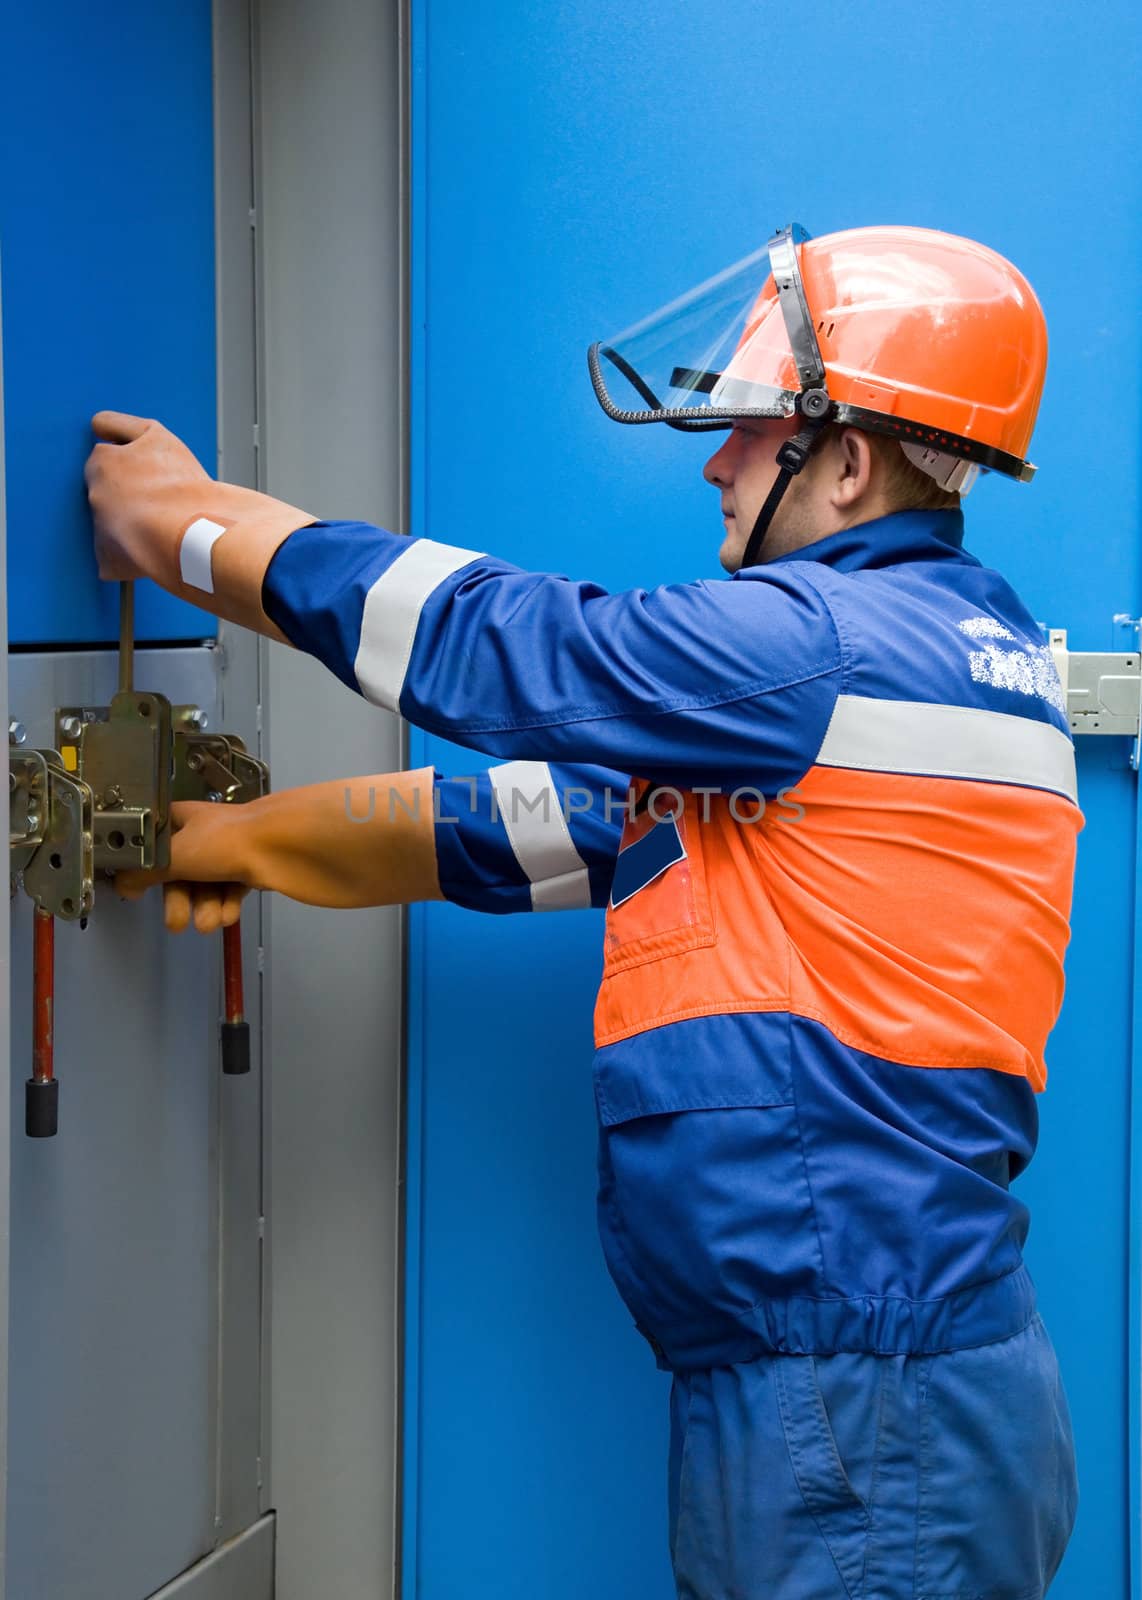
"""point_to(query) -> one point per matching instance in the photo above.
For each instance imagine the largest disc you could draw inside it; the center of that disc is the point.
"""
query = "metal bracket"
(101, 802)
(123, 751)
(213, 766)
(1102, 689)
(50, 842)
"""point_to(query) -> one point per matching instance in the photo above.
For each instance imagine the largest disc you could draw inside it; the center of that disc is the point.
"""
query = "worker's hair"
(906, 486)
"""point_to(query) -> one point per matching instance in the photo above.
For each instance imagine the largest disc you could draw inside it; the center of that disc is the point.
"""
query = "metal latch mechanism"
(50, 839)
(1102, 690)
(101, 802)
(51, 852)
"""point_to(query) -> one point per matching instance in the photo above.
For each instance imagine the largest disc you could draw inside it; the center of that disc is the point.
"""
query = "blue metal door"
(574, 167)
(107, 245)
(107, 250)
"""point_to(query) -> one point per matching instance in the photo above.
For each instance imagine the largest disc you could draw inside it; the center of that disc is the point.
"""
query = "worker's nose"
(719, 469)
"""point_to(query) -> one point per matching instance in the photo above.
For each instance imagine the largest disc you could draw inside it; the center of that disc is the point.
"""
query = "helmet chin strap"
(790, 459)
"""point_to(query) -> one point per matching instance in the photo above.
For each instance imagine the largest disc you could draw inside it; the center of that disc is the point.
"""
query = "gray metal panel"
(331, 250)
(241, 1374)
(114, 1270)
(5, 990)
(243, 1569)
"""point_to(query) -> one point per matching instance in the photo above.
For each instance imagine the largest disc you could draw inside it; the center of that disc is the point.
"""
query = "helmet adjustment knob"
(813, 402)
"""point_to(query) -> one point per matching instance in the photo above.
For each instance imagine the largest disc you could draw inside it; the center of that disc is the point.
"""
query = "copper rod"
(232, 971)
(43, 995)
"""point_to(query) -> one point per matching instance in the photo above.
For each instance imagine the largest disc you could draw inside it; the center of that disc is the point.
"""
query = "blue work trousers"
(867, 1477)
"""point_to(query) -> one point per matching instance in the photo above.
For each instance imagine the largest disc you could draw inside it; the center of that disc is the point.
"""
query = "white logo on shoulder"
(1030, 669)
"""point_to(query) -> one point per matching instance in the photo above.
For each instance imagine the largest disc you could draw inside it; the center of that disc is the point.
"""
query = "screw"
(112, 796)
(70, 727)
(196, 719)
(17, 733)
(212, 794)
(33, 821)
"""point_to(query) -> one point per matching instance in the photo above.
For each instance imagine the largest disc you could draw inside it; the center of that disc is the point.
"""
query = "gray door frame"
(312, 206)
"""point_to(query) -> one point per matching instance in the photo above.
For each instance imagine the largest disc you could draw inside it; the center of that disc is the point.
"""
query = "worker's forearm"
(349, 842)
(223, 572)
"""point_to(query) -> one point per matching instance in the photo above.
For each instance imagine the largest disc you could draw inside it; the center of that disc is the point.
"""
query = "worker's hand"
(209, 874)
(344, 843)
(137, 482)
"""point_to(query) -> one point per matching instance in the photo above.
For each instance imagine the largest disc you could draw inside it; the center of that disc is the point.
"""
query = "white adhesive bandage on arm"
(195, 553)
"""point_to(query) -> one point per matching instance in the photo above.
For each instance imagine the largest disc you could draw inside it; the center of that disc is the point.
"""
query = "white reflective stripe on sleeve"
(195, 553)
(392, 610)
(537, 831)
(948, 742)
(571, 892)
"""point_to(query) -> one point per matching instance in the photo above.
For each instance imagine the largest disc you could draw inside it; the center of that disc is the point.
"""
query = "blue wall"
(576, 166)
(107, 260)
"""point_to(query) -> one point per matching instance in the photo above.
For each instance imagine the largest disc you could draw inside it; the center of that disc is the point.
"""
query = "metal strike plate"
(50, 839)
(124, 752)
(1103, 689)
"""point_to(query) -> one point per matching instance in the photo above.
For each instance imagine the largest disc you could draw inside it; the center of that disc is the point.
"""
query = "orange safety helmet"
(932, 339)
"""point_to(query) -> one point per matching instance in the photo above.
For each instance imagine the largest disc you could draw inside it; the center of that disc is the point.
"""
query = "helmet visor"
(718, 353)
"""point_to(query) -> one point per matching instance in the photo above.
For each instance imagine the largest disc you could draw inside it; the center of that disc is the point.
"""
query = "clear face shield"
(720, 352)
(743, 344)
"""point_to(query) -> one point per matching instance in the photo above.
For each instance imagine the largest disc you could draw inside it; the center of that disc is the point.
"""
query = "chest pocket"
(660, 903)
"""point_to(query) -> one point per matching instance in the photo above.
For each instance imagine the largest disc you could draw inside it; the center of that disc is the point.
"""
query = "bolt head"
(197, 719)
(71, 727)
(17, 733)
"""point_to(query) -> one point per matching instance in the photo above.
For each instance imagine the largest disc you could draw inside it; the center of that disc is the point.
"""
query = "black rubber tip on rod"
(41, 1108)
(235, 1048)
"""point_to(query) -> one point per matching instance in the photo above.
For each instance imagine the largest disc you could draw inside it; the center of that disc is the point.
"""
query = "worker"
(829, 806)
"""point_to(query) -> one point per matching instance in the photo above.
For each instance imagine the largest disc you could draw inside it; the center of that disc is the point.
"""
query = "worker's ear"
(852, 468)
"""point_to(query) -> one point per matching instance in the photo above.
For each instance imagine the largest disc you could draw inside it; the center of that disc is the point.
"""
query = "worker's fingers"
(119, 427)
(217, 905)
(209, 905)
(233, 895)
(176, 906)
